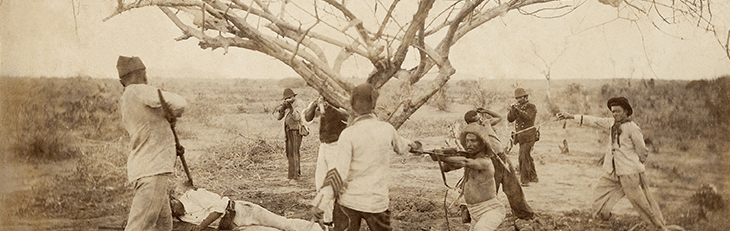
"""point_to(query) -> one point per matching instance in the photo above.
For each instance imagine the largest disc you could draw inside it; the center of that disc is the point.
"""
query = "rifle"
(437, 154)
(180, 150)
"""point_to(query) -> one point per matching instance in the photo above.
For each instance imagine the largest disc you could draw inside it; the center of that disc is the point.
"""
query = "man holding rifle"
(480, 192)
(152, 146)
(523, 114)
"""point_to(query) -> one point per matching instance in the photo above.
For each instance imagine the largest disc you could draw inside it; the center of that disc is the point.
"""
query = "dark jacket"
(331, 123)
(525, 118)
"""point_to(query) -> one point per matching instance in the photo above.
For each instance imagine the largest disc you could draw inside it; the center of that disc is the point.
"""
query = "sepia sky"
(42, 38)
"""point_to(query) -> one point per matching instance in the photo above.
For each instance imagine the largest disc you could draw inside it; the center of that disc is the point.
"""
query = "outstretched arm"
(587, 120)
(460, 161)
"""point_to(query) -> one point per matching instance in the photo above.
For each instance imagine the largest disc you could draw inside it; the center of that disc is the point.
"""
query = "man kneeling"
(203, 208)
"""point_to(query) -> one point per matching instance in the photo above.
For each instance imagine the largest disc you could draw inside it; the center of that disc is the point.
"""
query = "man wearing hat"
(480, 192)
(623, 165)
(363, 162)
(503, 174)
(523, 114)
(290, 110)
(152, 150)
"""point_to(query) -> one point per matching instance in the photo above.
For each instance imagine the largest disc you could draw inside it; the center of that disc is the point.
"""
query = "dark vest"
(331, 125)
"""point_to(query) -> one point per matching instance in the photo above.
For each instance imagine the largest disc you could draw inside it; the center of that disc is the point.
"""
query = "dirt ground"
(562, 198)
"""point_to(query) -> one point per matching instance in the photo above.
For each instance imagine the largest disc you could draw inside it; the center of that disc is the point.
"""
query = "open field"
(64, 153)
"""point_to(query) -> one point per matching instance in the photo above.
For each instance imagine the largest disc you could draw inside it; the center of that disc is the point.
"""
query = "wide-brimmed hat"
(366, 94)
(621, 102)
(288, 93)
(519, 92)
(483, 132)
(126, 65)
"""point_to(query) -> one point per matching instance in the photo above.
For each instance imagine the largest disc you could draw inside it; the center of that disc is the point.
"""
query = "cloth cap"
(621, 102)
(126, 65)
(288, 93)
(366, 95)
(519, 92)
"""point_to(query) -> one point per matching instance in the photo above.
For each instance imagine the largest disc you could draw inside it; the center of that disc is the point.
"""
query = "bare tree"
(303, 34)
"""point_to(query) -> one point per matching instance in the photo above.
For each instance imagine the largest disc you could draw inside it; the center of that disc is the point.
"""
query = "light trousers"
(486, 216)
(610, 188)
(151, 204)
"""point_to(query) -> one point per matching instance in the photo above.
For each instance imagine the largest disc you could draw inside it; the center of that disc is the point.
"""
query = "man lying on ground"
(204, 208)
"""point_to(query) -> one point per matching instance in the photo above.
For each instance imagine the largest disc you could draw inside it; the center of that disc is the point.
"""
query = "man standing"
(332, 121)
(623, 165)
(152, 152)
(290, 110)
(480, 191)
(363, 161)
(523, 114)
(502, 175)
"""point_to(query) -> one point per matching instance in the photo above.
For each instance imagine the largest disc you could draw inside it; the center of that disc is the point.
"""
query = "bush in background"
(43, 117)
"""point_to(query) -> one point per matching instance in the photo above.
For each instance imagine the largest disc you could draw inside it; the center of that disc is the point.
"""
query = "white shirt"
(151, 144)
(364, 162)
(200, 203)
(626, 156)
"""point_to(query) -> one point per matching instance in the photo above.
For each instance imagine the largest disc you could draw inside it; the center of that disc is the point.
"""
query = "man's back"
(152, 146)
(366, 147)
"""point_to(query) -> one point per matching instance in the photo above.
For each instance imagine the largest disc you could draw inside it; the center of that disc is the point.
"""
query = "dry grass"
(252, 167)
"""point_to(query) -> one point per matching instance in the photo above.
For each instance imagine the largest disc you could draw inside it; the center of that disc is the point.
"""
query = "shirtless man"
(480, 194)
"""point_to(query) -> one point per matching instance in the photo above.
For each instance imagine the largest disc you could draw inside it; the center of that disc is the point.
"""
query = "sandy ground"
(565, 179)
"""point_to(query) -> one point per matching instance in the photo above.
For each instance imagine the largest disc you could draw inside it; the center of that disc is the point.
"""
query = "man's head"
(363, 98)
(471, 116)
(473, 143)
(288, 95)
(620, 108)
(131, 70)
(177, 207)
(521, 95)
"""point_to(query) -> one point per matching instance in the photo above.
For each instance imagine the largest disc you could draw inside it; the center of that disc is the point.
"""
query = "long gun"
(438, 154)
(180, 150)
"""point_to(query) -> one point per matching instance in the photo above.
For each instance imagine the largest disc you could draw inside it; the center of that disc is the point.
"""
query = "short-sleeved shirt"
(151, 144)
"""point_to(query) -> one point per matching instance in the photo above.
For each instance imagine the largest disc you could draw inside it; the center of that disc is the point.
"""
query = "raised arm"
(495, 118)
(310, 112)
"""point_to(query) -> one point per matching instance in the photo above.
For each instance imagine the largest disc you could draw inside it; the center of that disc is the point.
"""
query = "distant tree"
(302, 34)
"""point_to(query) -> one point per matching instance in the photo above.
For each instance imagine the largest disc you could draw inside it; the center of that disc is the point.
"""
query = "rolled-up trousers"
(293, 142)
(610, 188)
(511, 188)
(486, 216)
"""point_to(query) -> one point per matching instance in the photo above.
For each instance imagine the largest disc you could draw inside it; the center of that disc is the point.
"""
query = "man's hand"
(315, 214)
(179, 149)
(564, 116)
(416, 147)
